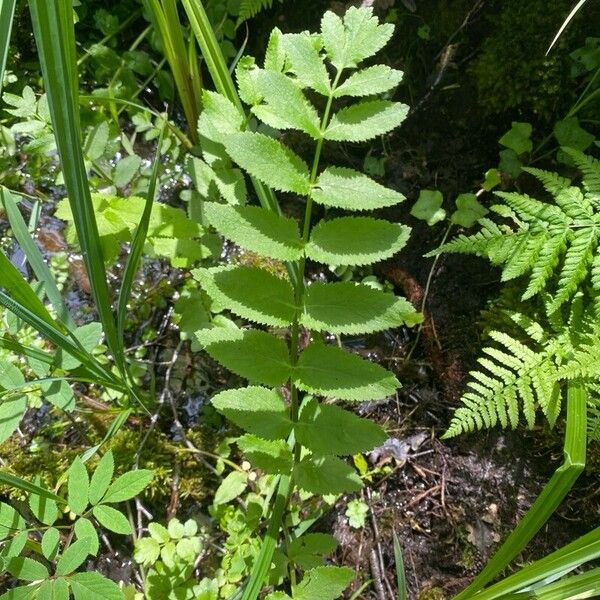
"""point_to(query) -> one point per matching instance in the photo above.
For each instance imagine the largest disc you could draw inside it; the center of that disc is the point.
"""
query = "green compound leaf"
(326, 475)
(331, 371)
(269, 161)
(50, 543)
(102, 477)
(222, 115)
(251, 293)
(112, 519)
(73, 557)
(128, 486)
(271, 456)
(326, 429)
(93, 586)
(356, 37)
(257, 229)
(54, 589)
(44, 509)
(370, 81)
(257, 410)
(323, 583)
(78, 485)
(347, 307)
(27, 569)
(305, 62)
(340, 187)
(11, 413)
(256, 355)
(356, 241)
(284, 105)
(365, 120)
(22, 592)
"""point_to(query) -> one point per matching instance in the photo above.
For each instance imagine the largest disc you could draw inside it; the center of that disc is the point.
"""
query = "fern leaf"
(250, 8)
(590, 167)
(553, 183)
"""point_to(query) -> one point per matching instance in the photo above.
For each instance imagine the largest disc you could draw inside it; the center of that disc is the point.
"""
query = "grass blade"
(30, 488)
(551, 496)
(261, 566)
(71, 346)
(21, 291)
(400, 571)
(165, 19)
(569, 18)
(34, 256)
(137, 245)
(7, 12)
(118, 422)
(579, 552)
(55, 39)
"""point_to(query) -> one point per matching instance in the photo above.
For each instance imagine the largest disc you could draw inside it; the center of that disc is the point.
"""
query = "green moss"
(434, 593)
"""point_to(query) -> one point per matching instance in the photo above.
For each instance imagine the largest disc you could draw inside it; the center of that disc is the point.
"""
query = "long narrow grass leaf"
(19, 289)
(137, 245)
(55, 39)
(30, 488)
(7, 13)
(117, 423)
(34, 256)
(400, 571)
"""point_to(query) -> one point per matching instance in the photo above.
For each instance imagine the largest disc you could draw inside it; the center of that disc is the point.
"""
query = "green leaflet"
(340, 187)
(269, 161)
(356, 240)
(356, 37)
(222, 115)
(346, 307)
(250, 292)
(257, 229)
(256, 355)
(258, 410)
(326, 475)
(366, 120)
(323, 583)
(331, 371)
(327, 429)
(272, 456)
(305, 62)
(283, 105)
(370, 81)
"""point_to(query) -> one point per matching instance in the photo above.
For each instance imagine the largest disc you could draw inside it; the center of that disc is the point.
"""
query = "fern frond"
(590, 167)
(593, 412)
(553, 183)
(250, 8)
(513, 378)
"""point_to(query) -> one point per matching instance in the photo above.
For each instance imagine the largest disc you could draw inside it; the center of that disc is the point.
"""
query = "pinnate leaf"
(355, 240)
(257, 410)
(327, 429)
(331, 371)
(11, 413)
(272, 456)
(112, 519)
(250, 353)
(365, 120)
(256, 229)
(222, 114)
(284, 105)
(356, 37)
(44, 509)
(269, 161)
(346, 307)
(340, 187)
(326, 475)
(102, 477)
(93, 586)
(128, 486)
(78, 485)
(250, 292)
(370, 81)
(323, 583)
